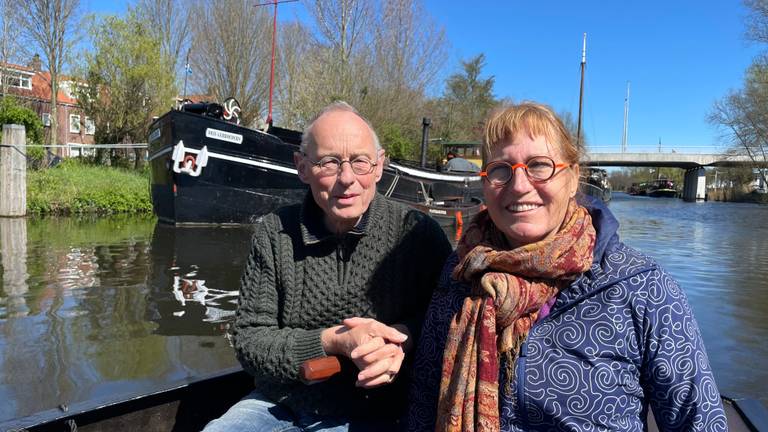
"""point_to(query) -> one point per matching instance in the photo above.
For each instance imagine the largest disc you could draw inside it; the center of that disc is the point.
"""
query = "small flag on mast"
(188, 69)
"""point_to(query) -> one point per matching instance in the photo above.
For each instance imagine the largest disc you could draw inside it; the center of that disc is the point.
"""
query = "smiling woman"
(535, 323)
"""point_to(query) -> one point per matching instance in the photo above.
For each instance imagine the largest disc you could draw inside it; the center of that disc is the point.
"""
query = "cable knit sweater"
(301, 279)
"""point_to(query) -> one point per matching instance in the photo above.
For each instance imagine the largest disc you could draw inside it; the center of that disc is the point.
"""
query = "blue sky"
(679, 55)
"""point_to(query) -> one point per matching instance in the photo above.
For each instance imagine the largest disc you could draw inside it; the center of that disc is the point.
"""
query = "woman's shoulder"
(621, 261)
(447, 285)
(632, 269)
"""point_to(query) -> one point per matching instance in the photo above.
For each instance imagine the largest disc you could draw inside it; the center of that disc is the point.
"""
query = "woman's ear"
(575, 182)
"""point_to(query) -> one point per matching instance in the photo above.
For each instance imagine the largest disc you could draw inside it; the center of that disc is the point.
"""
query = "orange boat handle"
(319, 369)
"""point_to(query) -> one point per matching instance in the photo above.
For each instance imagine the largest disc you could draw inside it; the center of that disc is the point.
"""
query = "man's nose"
(346, 175)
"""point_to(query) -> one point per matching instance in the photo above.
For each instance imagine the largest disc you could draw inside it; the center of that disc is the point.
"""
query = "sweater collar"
(313, 229)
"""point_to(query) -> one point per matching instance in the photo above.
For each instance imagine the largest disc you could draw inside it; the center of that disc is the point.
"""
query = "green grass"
(77, 188)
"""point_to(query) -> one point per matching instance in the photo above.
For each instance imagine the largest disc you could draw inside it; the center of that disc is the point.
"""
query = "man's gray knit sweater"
(300, 279)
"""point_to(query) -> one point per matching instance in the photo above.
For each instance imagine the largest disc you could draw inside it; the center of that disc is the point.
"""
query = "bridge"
(694, 187)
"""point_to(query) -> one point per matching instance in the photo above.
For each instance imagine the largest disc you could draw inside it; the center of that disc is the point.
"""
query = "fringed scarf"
(509, 288)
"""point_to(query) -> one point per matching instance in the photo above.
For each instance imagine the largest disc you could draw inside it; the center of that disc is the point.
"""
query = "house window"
(90, 126)
(47, 119)
(16, 79)
(74, 123)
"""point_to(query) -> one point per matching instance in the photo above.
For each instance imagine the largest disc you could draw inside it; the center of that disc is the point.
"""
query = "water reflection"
(13, 249)
(195, 277)
(114, 306)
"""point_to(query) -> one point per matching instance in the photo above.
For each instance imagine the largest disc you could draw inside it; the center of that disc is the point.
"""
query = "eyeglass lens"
(330, 165)
(540, 168)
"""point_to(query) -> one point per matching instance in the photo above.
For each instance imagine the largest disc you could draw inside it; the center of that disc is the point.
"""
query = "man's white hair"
(307, 138)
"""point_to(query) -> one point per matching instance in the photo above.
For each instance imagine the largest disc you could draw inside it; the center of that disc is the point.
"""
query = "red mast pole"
(272, 69)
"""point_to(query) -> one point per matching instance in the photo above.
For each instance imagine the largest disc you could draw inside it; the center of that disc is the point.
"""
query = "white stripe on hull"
(433, 176)
(231, 159)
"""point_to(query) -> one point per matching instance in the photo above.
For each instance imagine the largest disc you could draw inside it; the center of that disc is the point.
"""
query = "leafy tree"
(126, 83)
(398, 144)
(466, 101)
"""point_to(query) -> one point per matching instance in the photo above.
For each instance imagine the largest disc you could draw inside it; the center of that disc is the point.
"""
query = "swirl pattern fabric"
(509, 289)
(618, 342)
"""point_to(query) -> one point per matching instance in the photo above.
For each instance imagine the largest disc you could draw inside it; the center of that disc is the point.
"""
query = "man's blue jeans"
(256, 414)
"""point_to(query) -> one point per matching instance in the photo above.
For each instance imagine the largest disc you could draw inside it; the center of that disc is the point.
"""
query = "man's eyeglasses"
(538, 169)
(330, 165)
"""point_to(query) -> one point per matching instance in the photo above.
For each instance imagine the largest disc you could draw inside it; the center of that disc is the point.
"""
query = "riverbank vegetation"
(742, 114)
(74, 187)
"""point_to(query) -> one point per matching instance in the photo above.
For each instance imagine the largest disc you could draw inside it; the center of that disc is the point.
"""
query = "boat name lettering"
(223, 136)
(440, 212)
(154, 135)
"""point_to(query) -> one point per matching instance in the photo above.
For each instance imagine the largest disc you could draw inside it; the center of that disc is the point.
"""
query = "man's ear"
(301, 166)
(382, 159)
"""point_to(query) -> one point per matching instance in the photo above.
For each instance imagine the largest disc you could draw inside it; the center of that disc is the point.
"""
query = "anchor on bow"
(185, 161)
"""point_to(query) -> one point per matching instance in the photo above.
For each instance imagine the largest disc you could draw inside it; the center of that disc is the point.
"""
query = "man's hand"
(375, 348)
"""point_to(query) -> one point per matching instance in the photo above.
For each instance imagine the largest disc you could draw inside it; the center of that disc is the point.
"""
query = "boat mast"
(274, 43)
(581, 90)
(626, 124)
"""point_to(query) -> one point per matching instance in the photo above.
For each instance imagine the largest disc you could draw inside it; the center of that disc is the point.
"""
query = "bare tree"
(10, 34)
(343, 29)
(168, 21)
(757, 21)
(408, 51)
(296, 66)
(52, 27)
(379, 56)
(230, 54)
(743, 115)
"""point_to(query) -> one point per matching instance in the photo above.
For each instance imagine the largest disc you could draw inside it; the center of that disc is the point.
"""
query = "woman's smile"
(521, 208)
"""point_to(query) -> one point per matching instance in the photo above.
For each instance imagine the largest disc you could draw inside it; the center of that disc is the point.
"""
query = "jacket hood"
(613, 261)
(605, 223)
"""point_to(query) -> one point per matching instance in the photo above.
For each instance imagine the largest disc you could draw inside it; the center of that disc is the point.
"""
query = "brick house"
(32, 87)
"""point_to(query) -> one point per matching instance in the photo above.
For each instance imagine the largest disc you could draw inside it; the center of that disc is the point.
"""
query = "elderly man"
(347, 273)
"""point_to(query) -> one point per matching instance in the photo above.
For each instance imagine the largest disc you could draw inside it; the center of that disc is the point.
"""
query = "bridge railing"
(685, 149)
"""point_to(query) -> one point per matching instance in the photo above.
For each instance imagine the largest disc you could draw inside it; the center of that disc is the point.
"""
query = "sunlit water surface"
(93, 308)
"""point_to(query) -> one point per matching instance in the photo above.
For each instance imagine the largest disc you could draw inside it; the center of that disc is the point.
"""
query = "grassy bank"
(76, 188)
(735, 195)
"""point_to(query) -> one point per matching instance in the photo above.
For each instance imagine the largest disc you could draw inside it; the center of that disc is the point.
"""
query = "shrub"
(13, 113)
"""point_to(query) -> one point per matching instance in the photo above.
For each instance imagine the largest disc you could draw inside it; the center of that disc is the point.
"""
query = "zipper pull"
(523, 349)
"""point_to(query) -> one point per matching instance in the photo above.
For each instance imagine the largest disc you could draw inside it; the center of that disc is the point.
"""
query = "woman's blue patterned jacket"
(621, 338)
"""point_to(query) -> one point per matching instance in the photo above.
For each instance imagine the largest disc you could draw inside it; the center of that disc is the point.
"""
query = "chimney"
(36, 64)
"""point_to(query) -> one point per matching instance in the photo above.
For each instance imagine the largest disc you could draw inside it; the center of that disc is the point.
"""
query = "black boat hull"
(239, 182)
(190, 404)
(208, 171)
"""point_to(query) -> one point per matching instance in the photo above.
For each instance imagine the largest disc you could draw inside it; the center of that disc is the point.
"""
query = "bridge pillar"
(695, 185)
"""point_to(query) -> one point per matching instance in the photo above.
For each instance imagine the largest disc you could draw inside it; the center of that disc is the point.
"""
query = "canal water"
(91, 309)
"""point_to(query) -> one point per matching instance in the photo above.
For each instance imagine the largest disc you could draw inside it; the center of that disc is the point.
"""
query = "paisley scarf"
(509, 288)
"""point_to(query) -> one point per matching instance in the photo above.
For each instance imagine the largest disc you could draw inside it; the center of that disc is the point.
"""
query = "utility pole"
(187, 71)
(626, 122)
(581, 90)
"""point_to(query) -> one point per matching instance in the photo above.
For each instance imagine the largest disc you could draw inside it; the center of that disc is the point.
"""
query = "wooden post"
(13, 172)
(13, 248)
